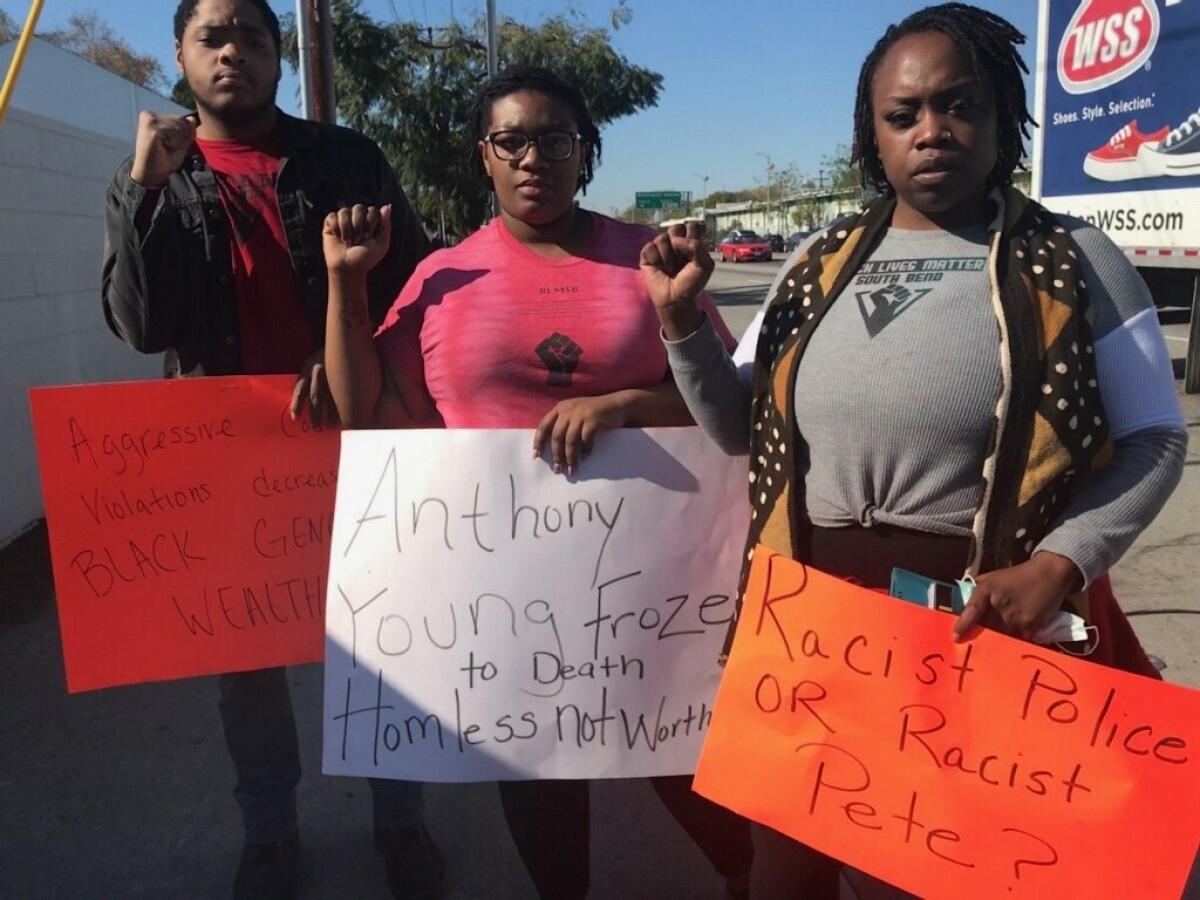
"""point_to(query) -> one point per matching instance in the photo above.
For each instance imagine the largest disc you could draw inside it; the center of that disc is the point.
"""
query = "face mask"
(1064, 628)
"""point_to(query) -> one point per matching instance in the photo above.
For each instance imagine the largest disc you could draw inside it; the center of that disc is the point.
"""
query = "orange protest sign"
(189, 524)
(993, 768)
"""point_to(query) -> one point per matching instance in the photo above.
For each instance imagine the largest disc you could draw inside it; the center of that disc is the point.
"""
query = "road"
(740, 288)
(124, 793)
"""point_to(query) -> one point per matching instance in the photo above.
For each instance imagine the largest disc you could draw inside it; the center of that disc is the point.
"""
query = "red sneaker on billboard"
(1118, 159)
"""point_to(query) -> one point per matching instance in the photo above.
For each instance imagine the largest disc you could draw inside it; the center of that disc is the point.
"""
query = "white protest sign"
(490, 620)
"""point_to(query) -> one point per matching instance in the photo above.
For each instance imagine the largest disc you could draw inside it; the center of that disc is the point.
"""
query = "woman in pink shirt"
(539, 320)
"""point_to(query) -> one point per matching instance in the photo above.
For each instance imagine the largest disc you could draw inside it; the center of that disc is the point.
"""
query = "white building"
(820, 207)
(69, 125)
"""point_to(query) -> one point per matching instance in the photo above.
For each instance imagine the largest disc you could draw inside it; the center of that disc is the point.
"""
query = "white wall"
(68, 127)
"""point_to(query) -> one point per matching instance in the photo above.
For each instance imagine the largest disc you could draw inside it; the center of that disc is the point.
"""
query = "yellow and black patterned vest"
(1049, 422)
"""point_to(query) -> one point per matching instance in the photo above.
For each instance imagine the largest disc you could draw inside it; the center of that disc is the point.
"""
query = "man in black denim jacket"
(169, 288)
(179, 278)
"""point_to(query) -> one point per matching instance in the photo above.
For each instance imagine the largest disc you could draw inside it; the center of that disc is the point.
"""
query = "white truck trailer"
(1118, 102)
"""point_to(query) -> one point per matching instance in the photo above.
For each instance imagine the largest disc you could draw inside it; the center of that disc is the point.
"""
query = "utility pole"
(767, 157)
(704, 199)
(303, 43)
(315, 34)
(493, 47)
(493, 66)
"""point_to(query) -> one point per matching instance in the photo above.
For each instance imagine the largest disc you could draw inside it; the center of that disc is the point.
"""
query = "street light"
(769, 167)
(704, 184)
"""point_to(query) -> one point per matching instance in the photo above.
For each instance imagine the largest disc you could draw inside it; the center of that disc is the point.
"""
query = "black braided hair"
(543, 81)
(187, 9)
(991, 44)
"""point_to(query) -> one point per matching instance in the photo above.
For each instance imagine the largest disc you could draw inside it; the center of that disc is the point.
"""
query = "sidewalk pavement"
(126, 793)
(1158, 580)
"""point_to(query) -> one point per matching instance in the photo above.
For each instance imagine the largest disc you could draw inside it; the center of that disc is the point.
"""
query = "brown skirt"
(867, 556)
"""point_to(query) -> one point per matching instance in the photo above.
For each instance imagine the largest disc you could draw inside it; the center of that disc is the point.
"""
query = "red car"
(740, 246)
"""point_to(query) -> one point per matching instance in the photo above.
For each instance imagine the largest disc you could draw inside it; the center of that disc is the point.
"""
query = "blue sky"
(740, 78)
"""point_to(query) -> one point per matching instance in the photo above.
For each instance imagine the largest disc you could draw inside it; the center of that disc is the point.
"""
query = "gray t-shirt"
(881, 446)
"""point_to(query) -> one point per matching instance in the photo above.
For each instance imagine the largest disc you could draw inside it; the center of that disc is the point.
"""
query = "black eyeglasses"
(553, 145)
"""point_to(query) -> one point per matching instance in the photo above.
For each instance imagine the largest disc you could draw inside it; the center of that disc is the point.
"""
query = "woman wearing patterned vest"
(953, 380)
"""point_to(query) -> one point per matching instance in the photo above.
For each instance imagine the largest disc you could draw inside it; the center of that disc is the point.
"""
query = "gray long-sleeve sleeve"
(716, 393)
(716, 388)
(1110, 508)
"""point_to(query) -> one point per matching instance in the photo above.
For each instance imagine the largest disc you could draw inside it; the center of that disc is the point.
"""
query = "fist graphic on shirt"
(560, 355)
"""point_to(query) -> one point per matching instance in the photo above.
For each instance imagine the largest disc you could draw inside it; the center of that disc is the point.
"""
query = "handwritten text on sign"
(488, 619)
(993, 768)
(189, 523)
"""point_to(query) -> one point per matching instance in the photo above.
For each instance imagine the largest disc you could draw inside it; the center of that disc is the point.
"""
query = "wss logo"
(1106, 41)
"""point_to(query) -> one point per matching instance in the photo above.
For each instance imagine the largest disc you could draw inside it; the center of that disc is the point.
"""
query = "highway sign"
(658, 199)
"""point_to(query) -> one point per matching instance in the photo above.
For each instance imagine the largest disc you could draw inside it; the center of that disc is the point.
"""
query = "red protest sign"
(189, 524)
(988, 769)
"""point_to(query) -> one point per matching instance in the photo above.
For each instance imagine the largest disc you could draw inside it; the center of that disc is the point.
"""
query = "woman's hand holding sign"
(570, 428)
(1022, 599)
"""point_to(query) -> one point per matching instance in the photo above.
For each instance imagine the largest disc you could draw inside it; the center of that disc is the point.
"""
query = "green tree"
(812, 211)
(838, 173)
(89, 36)
(410, 87)
(651, 216)
(8, 28)
(729, 197)
(182, 94)
(807, 214)
(786, 181)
